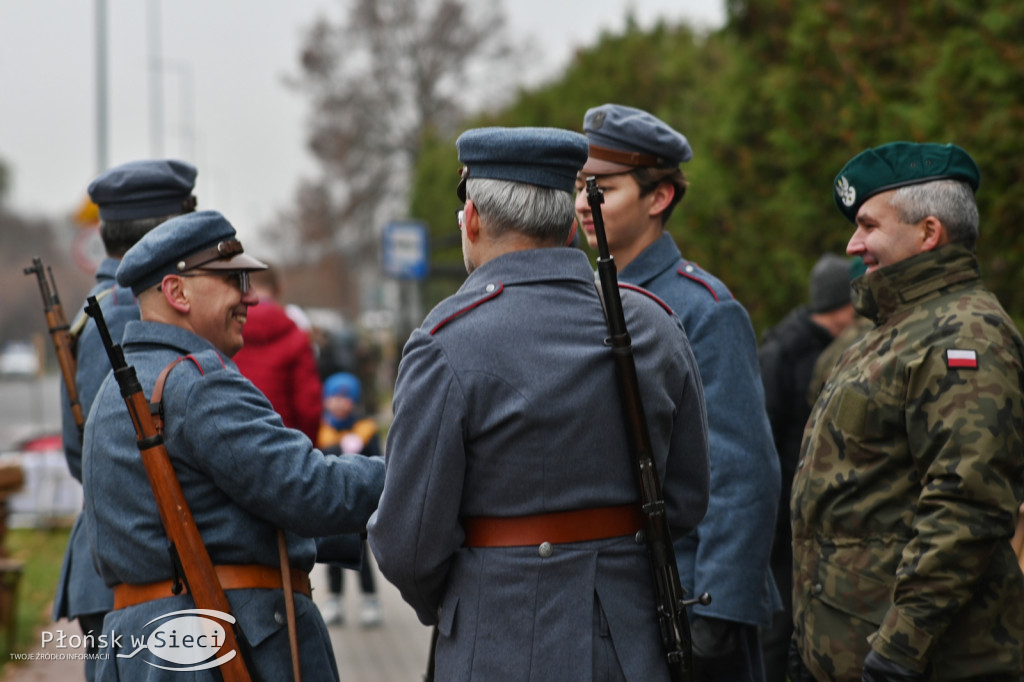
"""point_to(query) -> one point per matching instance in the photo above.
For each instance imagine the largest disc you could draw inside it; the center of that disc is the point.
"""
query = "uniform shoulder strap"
(79, 325)
(156, 401)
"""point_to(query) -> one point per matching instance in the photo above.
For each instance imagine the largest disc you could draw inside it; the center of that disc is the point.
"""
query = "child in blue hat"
(344, 430)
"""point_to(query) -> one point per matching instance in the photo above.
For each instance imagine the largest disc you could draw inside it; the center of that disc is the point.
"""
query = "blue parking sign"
(405, 249)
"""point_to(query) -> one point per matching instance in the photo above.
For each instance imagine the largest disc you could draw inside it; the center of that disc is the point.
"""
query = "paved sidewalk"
(396, 651)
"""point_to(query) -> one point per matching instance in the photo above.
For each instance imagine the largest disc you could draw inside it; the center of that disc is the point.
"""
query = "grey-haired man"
(510, 514)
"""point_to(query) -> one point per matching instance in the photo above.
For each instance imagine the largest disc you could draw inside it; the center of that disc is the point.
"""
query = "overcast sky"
(225, 107)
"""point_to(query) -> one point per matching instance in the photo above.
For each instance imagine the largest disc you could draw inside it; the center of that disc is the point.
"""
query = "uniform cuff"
(902, 642)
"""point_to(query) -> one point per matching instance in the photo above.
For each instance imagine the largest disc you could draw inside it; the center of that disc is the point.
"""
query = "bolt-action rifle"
(60, 334)
(671, 607)
(186, 545)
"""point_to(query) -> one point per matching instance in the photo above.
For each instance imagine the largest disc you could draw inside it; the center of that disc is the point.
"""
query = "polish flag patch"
(961, 359)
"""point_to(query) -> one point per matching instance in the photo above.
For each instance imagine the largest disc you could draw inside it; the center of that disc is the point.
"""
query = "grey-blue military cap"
(204, 239)
(623, 138)
(546, 157)
(144, 189)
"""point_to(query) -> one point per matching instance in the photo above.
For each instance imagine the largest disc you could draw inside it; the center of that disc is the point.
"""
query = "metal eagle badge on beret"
(846, 192)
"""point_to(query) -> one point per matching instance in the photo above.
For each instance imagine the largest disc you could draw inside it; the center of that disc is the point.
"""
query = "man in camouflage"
(910, 476)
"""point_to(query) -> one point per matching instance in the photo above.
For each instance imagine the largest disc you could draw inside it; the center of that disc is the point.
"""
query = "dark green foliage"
(774, 104)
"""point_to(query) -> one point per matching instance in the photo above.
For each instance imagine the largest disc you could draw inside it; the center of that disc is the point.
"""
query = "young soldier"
(636, 158)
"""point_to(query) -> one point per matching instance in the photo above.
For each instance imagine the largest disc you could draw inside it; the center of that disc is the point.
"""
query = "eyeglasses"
(240, 278)
(460, 216)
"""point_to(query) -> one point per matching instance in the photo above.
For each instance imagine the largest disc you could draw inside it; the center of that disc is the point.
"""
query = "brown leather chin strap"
(625, 158)
(223, 250)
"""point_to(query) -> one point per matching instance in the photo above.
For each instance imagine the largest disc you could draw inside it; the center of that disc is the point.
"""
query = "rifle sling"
(239, 577)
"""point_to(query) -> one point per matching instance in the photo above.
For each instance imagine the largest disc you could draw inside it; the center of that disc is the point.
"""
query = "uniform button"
(817, 588)
(545, 549)
(489, 288)
(278, 618)
(689, 268)
(640, 537)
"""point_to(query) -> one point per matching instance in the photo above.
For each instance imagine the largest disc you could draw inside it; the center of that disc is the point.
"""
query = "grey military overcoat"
(507, 404)
(244, 474)
(80, 590)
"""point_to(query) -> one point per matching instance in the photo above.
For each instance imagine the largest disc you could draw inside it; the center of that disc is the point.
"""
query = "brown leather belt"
(577, 525)
(230, 576)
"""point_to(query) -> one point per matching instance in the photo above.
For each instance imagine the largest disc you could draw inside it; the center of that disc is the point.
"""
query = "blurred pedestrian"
(510, 512)
(345, 429)
(787, 355)
(911, 471)
(248, 479)
(636, 159)
(279, 357)
(132, 199)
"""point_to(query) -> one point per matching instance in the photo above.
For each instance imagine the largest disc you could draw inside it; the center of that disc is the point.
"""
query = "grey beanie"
(830, 283)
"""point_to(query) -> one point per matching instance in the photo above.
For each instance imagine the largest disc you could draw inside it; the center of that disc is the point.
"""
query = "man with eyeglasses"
(510, 513)
(132, 199)
(243, 473)
(636, 159)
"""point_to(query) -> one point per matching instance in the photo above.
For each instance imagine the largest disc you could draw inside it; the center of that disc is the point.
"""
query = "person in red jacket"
(278, 357)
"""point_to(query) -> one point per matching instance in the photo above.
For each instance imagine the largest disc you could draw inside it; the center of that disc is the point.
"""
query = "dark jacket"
(787, 356)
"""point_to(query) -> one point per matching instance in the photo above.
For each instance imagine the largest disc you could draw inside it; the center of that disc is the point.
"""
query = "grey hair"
(951, 201)
(543, 213)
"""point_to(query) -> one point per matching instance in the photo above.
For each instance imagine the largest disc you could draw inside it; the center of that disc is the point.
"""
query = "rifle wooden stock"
(670, 607)
(186, 542)
(60, 334)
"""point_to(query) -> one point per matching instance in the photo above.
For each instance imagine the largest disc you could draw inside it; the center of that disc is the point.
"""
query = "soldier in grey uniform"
(906, 493)
(243, 473)
(509, 516)
(636, 157)
(132, 198)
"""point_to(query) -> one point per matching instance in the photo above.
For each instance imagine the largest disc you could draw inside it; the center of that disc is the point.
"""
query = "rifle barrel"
(670, 609)
(60, 335)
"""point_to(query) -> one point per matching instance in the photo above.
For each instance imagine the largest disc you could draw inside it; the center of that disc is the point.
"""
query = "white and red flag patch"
(961, 359)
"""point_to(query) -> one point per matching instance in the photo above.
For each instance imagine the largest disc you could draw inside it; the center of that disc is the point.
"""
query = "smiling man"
(243, 473)
(905, 497)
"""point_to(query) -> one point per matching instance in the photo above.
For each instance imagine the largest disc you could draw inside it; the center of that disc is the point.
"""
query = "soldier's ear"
(932, 233)
(471, 223)
(661, 197)
(175, 293)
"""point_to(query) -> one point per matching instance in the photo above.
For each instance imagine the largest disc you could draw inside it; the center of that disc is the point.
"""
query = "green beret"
(899, 164)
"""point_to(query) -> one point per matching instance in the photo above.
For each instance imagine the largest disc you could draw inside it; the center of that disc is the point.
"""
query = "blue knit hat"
(343, 384)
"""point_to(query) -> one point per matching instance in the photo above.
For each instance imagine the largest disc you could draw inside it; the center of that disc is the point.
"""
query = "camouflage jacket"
(906, 493)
